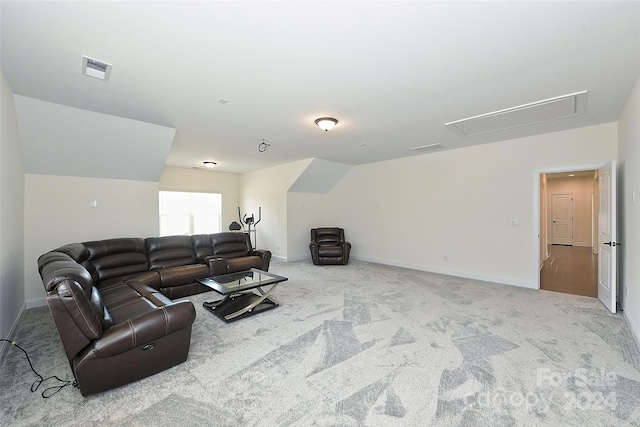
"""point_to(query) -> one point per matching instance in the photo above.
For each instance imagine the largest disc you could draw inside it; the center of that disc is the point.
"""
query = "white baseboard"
(291, 259)
(464, 274)
(299, 258)
(583, 244)
(36, 302)
(4, 346)
(634, 332)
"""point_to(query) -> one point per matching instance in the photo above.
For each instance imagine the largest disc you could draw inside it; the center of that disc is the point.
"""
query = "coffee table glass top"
(241, 281)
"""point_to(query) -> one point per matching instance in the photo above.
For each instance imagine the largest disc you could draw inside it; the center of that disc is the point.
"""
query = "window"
(190, 213)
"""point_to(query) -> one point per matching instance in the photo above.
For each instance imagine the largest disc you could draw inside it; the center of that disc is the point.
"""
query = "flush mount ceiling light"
(94, 68)
(209, 165)
(326, 123)
(546, 110)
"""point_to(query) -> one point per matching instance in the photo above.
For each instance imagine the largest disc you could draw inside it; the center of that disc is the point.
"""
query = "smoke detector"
(95, 68)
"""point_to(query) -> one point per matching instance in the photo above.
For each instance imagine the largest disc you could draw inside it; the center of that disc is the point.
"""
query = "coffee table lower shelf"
(234, 307)
(243, 293)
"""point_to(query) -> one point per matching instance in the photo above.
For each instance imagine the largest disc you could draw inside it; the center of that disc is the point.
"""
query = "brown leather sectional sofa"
(112, 303)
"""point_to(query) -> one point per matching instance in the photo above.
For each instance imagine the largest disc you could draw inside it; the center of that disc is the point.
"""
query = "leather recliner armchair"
(328, 246)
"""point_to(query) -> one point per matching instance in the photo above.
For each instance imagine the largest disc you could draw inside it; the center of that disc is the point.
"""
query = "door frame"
(536, 211)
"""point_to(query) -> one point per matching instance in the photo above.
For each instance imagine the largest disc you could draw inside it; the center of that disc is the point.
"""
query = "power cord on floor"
(50, 391)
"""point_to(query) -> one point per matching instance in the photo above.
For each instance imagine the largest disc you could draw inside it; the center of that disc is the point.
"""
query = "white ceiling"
(392, 73)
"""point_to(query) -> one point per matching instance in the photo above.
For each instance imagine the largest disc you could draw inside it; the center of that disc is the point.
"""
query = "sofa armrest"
(266, 257)
(346, 247)
(315, 257)
(145, 328)
(217, 265)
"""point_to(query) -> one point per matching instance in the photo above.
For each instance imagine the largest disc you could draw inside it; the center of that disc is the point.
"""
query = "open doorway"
(568, 232)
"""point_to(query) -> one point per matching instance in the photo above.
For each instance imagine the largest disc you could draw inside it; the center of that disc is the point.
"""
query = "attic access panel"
(523, 115)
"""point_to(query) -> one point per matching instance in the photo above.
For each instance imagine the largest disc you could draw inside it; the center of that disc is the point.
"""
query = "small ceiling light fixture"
(209, 165)
(326, 123)
(95, 68)
(262, 147)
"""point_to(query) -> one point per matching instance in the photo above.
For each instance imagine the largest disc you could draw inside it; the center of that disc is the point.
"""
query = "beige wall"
(11, 214)
(583, 189)
(268, 188)
(629, 210)
(195, 180)
(304, 212)
(57, 212)
(415, 211)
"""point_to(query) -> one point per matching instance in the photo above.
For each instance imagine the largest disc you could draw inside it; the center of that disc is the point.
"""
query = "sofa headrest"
(76, 251)
(169, 251)
(201, 246)
(115, 258)
(230, 244)
(327, 235)
(101, 248)
(56, 267)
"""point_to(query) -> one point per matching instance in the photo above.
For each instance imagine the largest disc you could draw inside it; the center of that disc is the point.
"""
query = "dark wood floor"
(570, 269)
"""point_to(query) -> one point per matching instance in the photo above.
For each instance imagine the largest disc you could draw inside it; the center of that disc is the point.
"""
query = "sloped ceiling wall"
(66, 141)
(320, 176)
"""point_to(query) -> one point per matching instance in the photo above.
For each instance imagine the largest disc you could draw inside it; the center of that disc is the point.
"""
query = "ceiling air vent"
(528, 114)
(428, 147)
(94, 68)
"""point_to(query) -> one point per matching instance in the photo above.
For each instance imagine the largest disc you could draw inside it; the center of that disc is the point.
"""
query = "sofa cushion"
(118, 294)
(125, 310)
(244, 263)
(330, 251)
(150, 278)
(181, 275)
(169, 251)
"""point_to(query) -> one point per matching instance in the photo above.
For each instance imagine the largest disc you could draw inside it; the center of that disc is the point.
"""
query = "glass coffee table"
(240, 297)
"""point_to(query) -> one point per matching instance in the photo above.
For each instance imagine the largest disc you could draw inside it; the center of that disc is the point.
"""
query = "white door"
(607, 264)
(562, 219)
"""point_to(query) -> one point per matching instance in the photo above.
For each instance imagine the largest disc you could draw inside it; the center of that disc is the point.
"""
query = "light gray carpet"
(364, 345)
